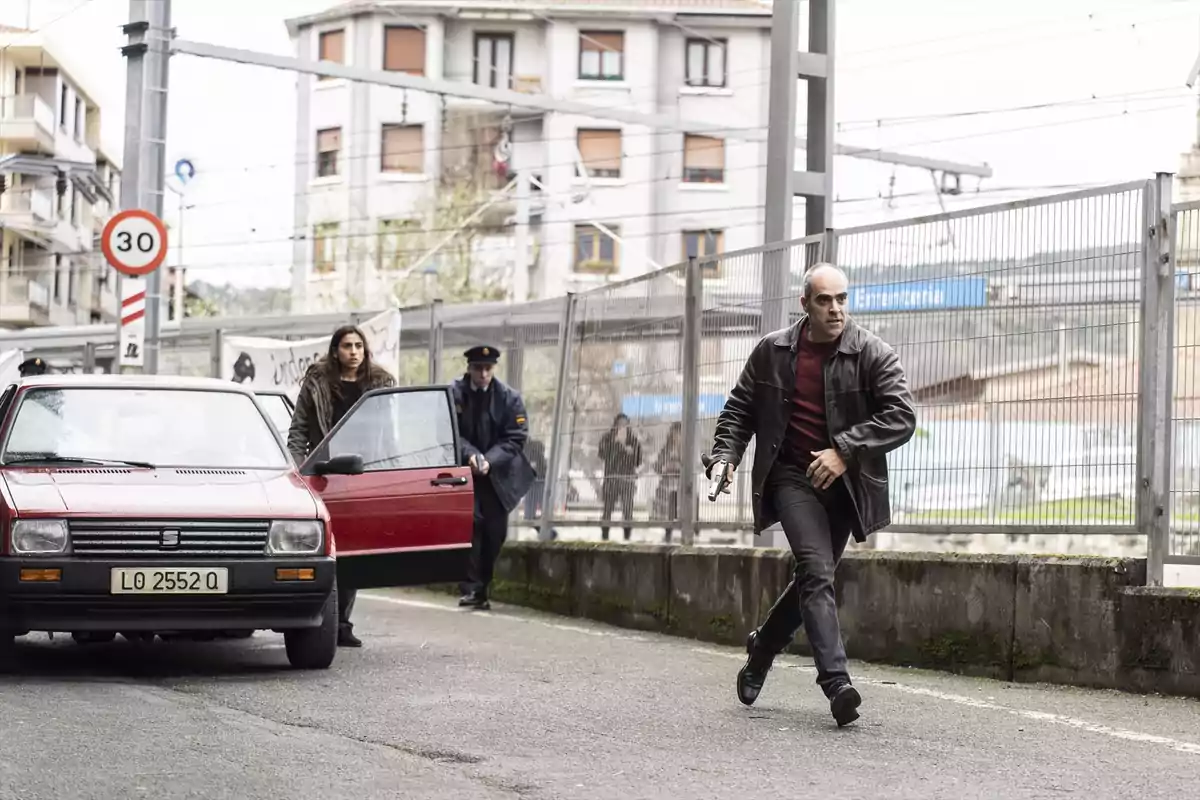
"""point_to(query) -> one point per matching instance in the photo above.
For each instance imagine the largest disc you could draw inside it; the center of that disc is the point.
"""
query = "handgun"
(716, 484)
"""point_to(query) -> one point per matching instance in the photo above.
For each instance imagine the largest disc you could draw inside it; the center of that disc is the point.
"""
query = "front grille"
(168, 538)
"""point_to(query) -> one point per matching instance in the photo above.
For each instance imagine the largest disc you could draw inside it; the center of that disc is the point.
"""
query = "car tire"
(93, 637)
(314, 648)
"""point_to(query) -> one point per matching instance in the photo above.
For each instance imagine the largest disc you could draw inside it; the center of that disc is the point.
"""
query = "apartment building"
(57, 189)
(609, 201)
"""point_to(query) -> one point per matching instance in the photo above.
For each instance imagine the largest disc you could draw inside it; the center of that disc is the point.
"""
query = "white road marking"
(958, 699)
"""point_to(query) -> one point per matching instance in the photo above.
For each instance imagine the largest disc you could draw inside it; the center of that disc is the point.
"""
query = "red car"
(164, 505)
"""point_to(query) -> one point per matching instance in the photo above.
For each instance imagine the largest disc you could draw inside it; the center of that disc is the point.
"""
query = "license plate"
(172, 580)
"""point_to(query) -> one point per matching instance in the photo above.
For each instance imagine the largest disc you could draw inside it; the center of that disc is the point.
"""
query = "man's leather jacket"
(868, 408)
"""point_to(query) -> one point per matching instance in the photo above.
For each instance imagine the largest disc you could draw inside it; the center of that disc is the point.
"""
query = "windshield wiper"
(98, 462)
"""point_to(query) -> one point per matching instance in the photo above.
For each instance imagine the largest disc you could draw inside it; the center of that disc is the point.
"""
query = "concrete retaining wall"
(1080, 621)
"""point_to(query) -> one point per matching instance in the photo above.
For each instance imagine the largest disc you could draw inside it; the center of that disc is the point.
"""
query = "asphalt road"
(513, 704)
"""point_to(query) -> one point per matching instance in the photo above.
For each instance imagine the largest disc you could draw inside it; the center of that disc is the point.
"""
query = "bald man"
(826, 401)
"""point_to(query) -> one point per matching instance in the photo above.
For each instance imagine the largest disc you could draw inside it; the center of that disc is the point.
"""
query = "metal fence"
(1050, 346)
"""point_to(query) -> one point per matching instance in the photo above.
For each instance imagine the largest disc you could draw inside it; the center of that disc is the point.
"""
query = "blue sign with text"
(968, 292)
(642, 406)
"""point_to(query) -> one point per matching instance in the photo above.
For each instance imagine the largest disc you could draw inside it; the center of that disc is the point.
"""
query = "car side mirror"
(340, 465)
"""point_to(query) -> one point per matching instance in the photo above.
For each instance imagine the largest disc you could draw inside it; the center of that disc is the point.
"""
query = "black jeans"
(615, 489)
(346, 607)
(490, 533)
(817, 524)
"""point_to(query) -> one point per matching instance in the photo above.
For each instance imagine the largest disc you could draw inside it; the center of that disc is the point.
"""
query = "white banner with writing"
(263, 363)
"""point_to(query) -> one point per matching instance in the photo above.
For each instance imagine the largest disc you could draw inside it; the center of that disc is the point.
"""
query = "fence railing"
(1051, 346)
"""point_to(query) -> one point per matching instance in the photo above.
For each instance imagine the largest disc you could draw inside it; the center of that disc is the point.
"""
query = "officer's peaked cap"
(482, 354)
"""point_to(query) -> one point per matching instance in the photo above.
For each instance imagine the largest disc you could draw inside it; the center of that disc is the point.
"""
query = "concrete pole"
(781, 159)
(144, 178)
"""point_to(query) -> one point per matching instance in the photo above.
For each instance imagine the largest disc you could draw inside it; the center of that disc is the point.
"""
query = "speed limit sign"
(134, 242)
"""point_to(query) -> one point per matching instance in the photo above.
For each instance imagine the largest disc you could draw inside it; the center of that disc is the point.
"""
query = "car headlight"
(290, 537)
(38, 536)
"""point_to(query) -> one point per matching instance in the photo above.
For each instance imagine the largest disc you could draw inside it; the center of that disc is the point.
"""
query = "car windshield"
(162, 427)
(277, 409)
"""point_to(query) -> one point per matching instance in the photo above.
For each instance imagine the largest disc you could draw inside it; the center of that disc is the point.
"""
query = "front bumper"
(82, 600)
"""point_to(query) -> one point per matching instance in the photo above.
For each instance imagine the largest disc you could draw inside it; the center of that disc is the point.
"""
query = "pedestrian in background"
(330, 388)
(494, 430)
(621, 453)
(669, 466)
(825, 400)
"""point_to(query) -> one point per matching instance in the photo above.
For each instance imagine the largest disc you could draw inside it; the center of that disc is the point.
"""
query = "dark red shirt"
(808, 430)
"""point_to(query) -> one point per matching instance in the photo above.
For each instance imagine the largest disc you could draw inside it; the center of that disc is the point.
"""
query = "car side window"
(412, 429)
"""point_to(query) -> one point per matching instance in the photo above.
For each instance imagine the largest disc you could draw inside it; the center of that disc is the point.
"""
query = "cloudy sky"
(1050, 94)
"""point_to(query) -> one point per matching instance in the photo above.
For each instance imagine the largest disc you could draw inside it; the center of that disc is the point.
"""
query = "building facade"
(381, 170)
(58, 187)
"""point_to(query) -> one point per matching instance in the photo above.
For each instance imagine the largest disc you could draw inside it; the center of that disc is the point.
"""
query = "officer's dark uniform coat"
(498, 437)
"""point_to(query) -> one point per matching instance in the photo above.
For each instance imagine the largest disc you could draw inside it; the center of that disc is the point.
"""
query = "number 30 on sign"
(134, 242)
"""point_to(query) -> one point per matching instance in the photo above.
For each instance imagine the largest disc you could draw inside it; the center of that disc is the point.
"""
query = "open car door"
(401, 507)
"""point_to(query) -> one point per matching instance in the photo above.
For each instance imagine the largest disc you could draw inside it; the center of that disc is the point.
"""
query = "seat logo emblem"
(170, 538)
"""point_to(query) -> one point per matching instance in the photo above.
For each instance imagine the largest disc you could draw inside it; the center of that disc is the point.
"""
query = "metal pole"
(818, 208)
(177, 288)
(692, 317)
(89, 358)
(1156, 377)
(565, 340)
(218, 344)
(520, 286)
(781, 159)
(435, 342)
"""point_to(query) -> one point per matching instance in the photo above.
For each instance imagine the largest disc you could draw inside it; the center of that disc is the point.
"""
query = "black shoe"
(346, 638)
(844, 704)
(753, 675)
(474, 601)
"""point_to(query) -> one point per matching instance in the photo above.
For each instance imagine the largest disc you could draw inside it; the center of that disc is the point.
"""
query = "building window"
(706, 62)
(325, 237)
(703, 159)
(494, 60)
(600, 151)
(72, 283)
(703, 244)
(403, 149)
(329, 145)
(331, 46)
(79, 118)
(404, 49)
(62, 107)
(601, 56)
(399, 240)
(58, 279)
(595, 251)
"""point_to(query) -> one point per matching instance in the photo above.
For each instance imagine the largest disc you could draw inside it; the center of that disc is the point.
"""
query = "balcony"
(27, 124)
(23, 301)
(32, 202)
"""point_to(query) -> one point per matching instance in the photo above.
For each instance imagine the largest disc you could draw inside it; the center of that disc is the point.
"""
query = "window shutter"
(600, 149)
(404, 50)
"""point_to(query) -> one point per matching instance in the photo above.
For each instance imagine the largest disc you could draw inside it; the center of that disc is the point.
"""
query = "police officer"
(494, 430)
(32, 366)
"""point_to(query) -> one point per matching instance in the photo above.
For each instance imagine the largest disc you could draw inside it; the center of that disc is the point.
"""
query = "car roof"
(84, 381)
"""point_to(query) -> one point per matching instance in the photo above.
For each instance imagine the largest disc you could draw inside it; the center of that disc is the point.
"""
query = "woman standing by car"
(331, 387)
